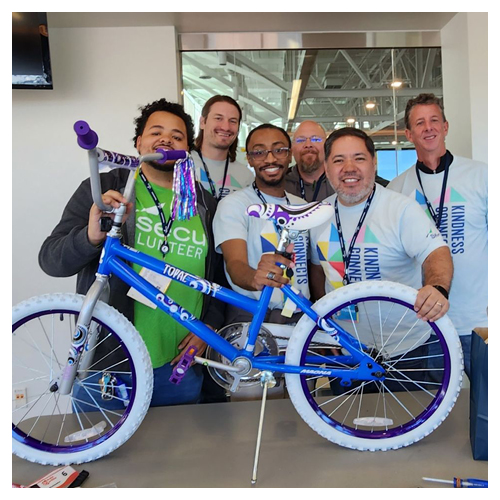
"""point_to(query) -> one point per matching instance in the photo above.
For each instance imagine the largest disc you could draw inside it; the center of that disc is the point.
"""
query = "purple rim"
(397, 431)
(22, 437)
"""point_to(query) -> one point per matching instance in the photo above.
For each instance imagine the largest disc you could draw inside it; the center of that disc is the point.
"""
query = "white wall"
(465, 84)
(101, 75)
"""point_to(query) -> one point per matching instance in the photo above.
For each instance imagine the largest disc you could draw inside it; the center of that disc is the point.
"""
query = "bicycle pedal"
(183, 365)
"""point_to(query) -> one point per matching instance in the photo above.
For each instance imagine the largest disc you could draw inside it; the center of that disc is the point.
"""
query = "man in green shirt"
(75, 245)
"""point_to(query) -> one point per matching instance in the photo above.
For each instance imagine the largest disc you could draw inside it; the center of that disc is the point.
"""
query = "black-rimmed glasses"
(261, 154)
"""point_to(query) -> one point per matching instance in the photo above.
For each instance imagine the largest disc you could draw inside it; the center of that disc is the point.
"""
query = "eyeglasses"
(261, 154)
(303, 140)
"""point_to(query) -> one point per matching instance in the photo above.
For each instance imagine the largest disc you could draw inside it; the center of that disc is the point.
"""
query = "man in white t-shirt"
(215, 148)
(453, 191)
(377, 234)
(248, 243)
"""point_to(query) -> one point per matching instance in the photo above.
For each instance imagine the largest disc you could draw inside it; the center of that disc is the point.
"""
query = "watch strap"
(441, 290)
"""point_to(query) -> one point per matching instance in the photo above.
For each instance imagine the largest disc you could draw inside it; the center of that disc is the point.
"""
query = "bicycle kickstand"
(267, 380)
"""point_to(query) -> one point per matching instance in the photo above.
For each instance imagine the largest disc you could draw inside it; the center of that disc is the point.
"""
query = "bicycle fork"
(80, 335)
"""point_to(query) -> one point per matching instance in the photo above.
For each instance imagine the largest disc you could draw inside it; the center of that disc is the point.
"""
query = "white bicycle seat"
(297, 218)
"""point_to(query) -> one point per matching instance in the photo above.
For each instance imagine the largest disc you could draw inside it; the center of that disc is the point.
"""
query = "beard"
(311, 166)
(165, 167)
(272, 182)
(348, 198)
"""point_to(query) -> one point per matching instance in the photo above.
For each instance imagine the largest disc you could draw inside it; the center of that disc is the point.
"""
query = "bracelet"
(441, 290)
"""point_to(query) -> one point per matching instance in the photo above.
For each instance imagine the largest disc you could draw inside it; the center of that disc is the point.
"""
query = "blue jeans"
(435, 349)
(164, 392)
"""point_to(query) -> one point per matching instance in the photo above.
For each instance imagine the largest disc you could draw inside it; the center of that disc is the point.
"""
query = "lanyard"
(210, 181)
(346, 257)
(437, 217)
(261, 196)
(303, 189)
(166, 225)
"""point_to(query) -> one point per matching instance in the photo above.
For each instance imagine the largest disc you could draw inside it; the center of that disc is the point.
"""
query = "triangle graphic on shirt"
(322, 248)
(361, 235)
(456, 196)
(269, 242)
(336, 284)
(334, 235)
(446, 197)
(339, 267)
(335, 257)
(419, 197)
(370, 237)
(230, 181)
(203, 176)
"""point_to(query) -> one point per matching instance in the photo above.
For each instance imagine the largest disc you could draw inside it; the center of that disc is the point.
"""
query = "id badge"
(159, 281)
(349, 313)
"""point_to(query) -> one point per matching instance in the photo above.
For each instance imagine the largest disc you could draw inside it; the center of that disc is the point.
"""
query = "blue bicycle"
(356, 364)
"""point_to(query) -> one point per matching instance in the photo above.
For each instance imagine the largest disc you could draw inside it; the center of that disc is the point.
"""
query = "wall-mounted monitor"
(30, 51)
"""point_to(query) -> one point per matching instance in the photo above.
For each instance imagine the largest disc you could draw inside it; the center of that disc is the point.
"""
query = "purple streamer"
(184, 200)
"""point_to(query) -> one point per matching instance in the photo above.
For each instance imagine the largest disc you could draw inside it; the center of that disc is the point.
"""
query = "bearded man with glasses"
(247, 243)
(307, 177)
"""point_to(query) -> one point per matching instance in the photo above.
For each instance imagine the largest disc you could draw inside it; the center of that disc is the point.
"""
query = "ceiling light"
(205, 76)
(396, 84)
(222, 58)
(351, 120)
(294, 100)
(370, 104)
(394, 143)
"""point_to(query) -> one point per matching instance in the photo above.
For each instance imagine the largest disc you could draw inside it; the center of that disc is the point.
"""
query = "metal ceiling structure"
(335, 85)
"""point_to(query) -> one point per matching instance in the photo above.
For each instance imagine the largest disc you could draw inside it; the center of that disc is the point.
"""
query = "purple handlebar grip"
(87, 138)
(173, 154)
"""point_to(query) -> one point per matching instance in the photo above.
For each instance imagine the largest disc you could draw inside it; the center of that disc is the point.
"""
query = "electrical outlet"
(20, 398)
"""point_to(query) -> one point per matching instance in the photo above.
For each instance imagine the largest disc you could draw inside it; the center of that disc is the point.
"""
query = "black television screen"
(30, 51)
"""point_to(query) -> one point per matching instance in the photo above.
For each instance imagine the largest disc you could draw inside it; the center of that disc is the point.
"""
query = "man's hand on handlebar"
(113, 198)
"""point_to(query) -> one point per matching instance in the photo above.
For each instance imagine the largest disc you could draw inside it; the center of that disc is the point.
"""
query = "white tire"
(365, 425)
(41, 342)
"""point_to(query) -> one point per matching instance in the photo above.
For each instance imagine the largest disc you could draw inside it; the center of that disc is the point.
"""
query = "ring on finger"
(270, 275)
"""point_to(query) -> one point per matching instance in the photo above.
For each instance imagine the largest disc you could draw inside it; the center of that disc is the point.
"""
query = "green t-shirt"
(188, 246)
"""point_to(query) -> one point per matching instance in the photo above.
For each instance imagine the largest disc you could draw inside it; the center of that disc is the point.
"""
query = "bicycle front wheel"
(423, 364)
(110, 395)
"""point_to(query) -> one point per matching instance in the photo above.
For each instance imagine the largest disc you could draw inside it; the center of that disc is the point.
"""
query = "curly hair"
(422, 99)
(170, 107)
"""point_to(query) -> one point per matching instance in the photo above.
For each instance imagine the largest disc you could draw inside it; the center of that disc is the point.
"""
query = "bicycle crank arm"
(215, 364)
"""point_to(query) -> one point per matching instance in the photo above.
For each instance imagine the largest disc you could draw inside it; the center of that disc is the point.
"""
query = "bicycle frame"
(111, 262)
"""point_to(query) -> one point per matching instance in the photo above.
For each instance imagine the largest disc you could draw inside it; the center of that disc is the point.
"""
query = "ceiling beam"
(209, 72)
(356, 93)
(276, 82)
(356, 68)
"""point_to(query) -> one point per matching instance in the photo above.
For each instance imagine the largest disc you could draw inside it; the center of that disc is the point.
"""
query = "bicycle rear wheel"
(51, 428)
(415, 397)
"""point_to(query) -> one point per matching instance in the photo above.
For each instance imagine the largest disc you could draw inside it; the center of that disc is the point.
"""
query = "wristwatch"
(441, 290)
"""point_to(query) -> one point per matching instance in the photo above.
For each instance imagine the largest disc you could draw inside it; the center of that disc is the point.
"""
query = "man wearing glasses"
(248, 243)
(307, 177)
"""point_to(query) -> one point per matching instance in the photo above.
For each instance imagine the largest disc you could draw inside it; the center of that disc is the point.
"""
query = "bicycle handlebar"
(88, 139)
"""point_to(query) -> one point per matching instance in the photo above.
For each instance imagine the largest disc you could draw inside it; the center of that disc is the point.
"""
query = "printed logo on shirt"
(364, 263)
(188, 240)
(230, 184)
(269, 242)
(452, 224)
